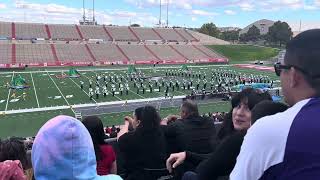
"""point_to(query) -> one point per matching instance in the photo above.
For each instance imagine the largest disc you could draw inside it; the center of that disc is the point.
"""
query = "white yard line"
(60, 91)
(35, 91)
(9, 92)
(87, 105)
(181, 93)
(137, 94)
(159, 93)
(118, 98)
(82, 90)
(122, 69)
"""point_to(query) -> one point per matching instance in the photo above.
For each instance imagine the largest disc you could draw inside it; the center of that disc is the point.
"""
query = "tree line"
(279, 33)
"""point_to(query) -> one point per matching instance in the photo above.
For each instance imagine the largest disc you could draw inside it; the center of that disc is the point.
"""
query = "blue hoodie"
(63, 149)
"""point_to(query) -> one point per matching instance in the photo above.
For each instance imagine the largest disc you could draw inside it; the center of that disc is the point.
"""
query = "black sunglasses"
(278, 67)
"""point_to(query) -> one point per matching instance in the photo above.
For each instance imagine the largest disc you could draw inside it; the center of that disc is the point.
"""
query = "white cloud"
(203, 13)
(229, 12)
(193, 19)
(275, 5)
(49, 8)
(245, 6)
(3, 6)
(124, 14)
(177, 4)
(305, 25)
(309, 7)
(24, 11)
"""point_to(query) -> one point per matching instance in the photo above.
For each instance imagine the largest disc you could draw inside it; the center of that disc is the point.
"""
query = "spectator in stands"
(114, 132)
(105, 155)
(63, 149)
(145, 146)
(13, 149)
(11, 170)
(285, 145)
(184, 130)
(239, 117)
(190, 133)
(113, 128)
(222, 160)
(108, 130)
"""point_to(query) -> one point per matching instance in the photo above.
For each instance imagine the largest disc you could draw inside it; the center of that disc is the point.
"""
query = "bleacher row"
(35, 44)
(80, 32)
(95, 54)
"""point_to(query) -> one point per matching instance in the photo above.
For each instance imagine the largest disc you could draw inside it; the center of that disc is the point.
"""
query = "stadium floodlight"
(84, 11)
(94, 20)
(168, 1)
(87, 19)
(160, 15)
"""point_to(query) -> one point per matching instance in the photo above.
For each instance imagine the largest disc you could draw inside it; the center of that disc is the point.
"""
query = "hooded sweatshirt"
(63, 149)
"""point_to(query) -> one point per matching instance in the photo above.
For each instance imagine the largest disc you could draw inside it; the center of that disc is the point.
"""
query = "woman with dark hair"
(13, 159)
(236, 122)
(239, 117)
(13, 149)
(105, 155)
(144, 147)
(221, 162)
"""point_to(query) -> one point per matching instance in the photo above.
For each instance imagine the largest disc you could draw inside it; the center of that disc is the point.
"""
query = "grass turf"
(28, 124)
(240, 53)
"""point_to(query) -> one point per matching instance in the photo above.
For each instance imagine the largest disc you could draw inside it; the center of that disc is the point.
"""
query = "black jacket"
(142, 150)
(195, 133)
(221, 161)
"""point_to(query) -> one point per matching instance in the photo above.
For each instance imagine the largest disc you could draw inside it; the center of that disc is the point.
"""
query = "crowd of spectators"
(258, 138)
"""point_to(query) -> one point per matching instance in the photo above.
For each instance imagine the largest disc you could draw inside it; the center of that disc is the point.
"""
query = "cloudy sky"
(188, 13)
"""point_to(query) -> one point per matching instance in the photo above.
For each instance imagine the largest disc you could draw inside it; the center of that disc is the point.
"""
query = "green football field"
(50, 96)
(245, 53)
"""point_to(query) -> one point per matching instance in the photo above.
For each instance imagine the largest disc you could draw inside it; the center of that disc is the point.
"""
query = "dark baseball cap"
(303, 52)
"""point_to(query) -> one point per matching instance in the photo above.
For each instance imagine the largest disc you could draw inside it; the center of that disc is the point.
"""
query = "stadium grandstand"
(131, 97)
(33, 44)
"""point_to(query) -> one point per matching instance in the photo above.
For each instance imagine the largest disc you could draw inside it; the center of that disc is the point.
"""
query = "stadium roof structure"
(263, 25)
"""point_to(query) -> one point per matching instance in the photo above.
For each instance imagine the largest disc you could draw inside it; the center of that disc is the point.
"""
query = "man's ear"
(295, 77)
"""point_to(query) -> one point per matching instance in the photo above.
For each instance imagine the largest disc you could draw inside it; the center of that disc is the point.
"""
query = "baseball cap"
(303, 52)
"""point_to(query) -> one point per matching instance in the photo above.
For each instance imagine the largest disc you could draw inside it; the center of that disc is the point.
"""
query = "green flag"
(73, 73)
(132, 69)
(184, 67)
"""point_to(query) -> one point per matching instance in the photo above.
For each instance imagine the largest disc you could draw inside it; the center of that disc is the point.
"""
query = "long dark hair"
(13, 149)
(149, 118)
(252, 97)
(95, 128)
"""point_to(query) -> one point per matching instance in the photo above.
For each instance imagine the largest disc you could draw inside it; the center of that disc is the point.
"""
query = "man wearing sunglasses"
(286, 145)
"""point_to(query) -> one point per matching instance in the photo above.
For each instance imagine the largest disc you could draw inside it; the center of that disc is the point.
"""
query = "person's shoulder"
(274, 127)
(278, 122)
(127, 136)
(176, 123)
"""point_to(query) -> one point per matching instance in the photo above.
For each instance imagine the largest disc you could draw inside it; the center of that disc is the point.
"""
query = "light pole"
(168, 1)
(93, 18)
(160, 15)
(84, 12)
